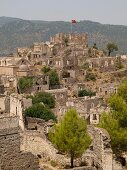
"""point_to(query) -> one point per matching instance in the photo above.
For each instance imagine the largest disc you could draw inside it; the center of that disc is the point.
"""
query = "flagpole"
(71, 27)
(72, 22)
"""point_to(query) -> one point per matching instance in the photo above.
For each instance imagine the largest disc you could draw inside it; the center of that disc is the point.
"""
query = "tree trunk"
(109, 53)
(72, 160)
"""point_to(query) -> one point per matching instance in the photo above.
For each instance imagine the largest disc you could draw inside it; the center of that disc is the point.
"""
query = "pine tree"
(115, 122)
(70, 135)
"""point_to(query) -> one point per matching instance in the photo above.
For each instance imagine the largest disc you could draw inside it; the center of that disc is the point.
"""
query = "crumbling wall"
(36, 143)
(101, 148)
(11, 158)
(16, 108)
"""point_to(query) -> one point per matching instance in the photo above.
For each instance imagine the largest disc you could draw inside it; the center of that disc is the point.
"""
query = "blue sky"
(104, 11)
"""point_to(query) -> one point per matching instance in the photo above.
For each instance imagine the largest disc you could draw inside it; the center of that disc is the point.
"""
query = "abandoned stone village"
(86, 77)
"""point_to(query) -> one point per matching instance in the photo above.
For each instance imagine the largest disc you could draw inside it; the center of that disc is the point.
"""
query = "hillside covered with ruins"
(39, 84)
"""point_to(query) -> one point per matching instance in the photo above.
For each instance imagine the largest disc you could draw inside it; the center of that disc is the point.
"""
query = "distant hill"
(5, 20)
(16, 32)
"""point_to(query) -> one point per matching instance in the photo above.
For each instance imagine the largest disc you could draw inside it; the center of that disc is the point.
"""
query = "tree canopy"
(95, 46)
(53, 78)
(70, 135)
(40, 111)
(115, 122)
(111, 47)
(25, 83)
(45, 69)
(122, 90)
(43, 97)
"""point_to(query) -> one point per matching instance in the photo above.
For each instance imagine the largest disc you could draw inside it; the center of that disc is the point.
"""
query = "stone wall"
(11, 158)
(103, 63)
(16, 108)
(35, 142)
(76, 38)
(101, 148)
(60, 95)
(2, 102)
(9, 122)
(6, 70)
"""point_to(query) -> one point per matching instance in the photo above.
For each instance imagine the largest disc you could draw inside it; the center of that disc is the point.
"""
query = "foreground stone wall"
(101, 148)
(11, 158)
(37, 144)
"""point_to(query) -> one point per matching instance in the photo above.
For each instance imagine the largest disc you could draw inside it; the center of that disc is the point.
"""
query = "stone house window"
(115, 90)
(100, 90)
(50, 62)
(94, 117)
(5, 63)
(16, 110)
(39, 88)
(65, 80)
(106, 92)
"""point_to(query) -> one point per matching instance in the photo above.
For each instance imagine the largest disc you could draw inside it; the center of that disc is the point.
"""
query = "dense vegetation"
(90, 76)
(17, 33)
(45, 69)
(25, 84)
(43, 97)
(53, 79)
(115, 122)
(40, 111)
(84, 92)
(118, 63)
(41, 108)
(111, 47)
(70, 135)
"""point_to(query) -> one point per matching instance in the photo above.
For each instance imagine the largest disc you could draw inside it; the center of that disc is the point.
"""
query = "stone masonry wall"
(11, 158)
(101, 148)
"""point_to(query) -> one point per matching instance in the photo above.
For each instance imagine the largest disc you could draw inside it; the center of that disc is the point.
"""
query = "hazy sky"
(104, 11)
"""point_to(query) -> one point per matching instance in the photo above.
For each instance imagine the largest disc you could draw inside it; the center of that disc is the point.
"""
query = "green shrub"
(53, 78)
(40, 111)
(90, 76)
(118, 64)
(45, 98)
(45, 69)
(53, 163)
(85, 66)
(82, 93)
(25, 83)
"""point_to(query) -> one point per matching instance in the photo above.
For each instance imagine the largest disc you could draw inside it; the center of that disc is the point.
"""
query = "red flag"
(73, 21)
